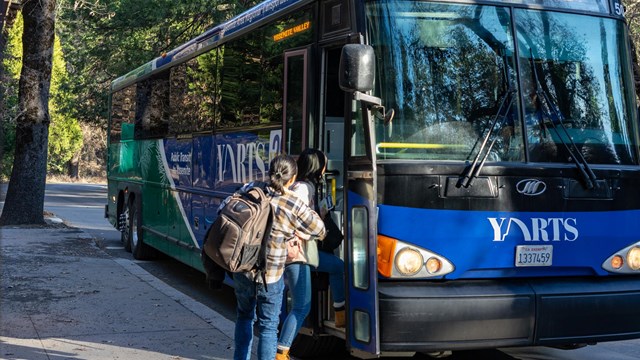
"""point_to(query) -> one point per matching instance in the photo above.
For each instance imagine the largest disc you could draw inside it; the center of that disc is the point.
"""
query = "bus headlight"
(624, 261)
(433, 265)
(409, 261)
(617, 262)
(633, 258)
(398, 259)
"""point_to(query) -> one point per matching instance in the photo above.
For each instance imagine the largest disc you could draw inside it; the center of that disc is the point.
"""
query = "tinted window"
(241, 79)
(193, 94)
(123, 106)
(152, 110)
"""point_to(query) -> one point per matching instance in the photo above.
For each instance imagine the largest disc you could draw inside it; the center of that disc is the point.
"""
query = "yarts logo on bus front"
(535, 229)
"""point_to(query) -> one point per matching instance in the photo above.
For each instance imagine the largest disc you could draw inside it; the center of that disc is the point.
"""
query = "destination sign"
(292, 31)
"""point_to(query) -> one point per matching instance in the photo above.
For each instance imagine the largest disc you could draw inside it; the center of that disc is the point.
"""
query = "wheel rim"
(134, 231)
(127, 226)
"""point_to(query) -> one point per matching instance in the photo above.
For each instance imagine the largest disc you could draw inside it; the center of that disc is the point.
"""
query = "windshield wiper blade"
(471, 172)
(587, 174)
(589, 177)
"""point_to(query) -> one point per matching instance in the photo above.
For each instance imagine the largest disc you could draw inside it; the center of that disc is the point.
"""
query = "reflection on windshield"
(445, 68)
(581, 70)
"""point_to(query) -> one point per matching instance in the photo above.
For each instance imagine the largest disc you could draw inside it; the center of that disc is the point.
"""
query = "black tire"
(125, 234)
(139, 249)
(306, 346)
(123, 219)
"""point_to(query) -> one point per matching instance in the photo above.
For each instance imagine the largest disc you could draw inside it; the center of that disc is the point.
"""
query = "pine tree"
(24, 203)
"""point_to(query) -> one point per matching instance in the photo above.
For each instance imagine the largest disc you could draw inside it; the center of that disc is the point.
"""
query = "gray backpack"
(237, 239)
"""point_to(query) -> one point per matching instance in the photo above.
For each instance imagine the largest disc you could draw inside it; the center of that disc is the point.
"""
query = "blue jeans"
(298, 280)
(253, 299)
(333, 265)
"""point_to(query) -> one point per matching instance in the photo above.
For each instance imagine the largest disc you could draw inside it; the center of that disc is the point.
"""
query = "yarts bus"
(483, 158)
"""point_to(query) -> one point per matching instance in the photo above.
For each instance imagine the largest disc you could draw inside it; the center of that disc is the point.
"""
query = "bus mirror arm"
(372, 101)
(380, 114)
(374, 105)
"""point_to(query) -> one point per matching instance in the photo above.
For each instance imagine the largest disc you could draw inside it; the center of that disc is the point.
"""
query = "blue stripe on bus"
(211, 167)
(260, 11)
(482, 243)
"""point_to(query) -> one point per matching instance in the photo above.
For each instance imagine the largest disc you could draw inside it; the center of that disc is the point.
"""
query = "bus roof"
(251, 18)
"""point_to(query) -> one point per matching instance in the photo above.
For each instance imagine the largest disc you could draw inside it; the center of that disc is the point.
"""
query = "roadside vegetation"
(95, 42)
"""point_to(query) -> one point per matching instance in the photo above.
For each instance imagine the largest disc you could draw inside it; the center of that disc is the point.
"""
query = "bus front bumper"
(472, 314)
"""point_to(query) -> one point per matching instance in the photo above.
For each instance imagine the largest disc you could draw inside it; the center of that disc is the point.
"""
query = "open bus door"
(356, 77)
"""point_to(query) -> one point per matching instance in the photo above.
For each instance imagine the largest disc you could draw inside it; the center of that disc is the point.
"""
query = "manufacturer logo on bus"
(531, 187)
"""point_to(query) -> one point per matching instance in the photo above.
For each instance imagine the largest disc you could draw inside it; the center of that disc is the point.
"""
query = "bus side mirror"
(357, 68)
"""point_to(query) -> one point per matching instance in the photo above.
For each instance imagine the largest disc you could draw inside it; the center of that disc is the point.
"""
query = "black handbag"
(333, 237)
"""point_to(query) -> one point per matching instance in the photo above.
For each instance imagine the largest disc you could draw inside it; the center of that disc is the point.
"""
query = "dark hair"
(281, 169)
(311, 162)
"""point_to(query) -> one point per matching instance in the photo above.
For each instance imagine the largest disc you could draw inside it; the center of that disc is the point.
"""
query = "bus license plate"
(539, 255)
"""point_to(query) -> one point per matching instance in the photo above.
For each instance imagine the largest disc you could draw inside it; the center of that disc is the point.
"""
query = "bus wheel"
(139, 249)
(125, 234)
(305, 346)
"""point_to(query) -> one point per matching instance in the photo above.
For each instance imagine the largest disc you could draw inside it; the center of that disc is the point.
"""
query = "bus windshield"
(449, 72)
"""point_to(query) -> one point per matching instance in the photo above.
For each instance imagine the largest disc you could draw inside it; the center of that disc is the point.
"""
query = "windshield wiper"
(587, 174)
(471, 172)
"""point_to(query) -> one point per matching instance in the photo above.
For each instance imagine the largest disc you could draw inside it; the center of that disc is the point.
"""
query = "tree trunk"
(24, 203)
(73, 166)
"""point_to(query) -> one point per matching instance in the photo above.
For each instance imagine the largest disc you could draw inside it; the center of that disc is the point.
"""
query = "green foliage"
(12, 61)
(100, 40)
(9, 140)
(65, 140)
(65, 134)
(106, 39)
(12, 64)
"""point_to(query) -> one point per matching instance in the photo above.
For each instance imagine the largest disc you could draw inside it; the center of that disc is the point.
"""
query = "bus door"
(361, 232)
(294, 124)
(333, 132)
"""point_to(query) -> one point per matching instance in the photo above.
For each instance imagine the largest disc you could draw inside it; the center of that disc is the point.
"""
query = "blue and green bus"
(483, 156)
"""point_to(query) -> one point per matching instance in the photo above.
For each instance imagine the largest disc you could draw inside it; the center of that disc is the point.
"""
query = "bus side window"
(123, 106)
(241, 76)
(182, 101)
(152, 110)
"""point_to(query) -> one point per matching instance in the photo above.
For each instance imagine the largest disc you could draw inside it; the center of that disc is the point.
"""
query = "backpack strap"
(262, 258)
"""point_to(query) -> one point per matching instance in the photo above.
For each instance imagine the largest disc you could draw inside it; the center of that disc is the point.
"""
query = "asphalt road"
(82, 206)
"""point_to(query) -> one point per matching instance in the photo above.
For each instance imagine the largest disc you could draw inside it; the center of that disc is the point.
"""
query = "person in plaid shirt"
(258, 302)
(312, 164)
